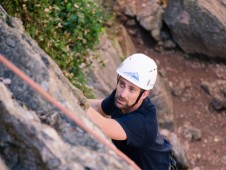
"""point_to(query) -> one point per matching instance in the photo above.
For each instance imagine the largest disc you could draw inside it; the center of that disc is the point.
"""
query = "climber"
(132, 124)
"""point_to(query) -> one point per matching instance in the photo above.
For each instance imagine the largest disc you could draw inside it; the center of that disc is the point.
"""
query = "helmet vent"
(148, 82)
(153, 70)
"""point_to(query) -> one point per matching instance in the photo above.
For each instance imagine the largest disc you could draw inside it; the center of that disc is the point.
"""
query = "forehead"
(128, 83)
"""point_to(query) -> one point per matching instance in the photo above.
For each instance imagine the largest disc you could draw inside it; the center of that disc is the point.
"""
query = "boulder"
(216, 91)
(198, 26)
(150, 18)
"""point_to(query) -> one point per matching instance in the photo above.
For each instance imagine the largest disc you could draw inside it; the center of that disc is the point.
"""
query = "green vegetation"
(65, 29)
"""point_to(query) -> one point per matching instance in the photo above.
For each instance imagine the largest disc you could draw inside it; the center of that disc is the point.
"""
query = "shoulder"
(148, 110)
(107, 103)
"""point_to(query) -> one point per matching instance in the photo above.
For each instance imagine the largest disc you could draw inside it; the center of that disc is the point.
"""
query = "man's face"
(126, 93)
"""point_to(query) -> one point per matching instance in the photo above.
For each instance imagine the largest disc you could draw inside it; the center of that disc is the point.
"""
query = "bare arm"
(96, 105)
(109, 126)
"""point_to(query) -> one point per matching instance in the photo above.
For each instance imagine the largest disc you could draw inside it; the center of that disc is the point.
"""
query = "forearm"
(110, 127)
(96, 105)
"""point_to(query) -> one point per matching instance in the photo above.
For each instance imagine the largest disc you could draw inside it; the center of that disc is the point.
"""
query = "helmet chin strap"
(138, 98)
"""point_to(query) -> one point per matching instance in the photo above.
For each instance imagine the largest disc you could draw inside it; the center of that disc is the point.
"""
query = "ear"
(145, 94)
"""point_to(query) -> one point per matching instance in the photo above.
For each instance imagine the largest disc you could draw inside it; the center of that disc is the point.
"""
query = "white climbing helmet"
(140, 70)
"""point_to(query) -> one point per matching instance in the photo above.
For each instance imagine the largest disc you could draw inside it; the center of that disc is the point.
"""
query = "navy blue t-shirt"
(144, 144)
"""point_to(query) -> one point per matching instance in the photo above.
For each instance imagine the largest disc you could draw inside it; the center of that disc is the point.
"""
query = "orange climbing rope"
(52, 100)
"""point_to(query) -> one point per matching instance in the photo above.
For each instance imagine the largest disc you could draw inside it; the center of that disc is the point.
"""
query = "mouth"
(120, 100)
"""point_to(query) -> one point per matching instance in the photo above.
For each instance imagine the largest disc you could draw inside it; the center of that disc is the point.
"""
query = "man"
(133, 125)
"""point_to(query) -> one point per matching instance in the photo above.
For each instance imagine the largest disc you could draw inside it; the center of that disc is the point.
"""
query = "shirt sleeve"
(107, 103)
(135, 128)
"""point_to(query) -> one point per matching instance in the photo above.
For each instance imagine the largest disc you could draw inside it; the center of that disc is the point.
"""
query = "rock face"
(199, 26)
(150, 18)
(148, 13)
(162, 99)
(103, 79)
(24, 137)
(33, 133)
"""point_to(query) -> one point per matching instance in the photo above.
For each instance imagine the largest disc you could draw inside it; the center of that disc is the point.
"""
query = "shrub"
(65, 29)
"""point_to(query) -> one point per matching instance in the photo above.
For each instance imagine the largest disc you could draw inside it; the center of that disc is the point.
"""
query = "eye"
(121, 84)
(131, 89)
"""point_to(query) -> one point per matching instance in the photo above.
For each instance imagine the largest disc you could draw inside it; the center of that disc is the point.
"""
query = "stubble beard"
(118, 104)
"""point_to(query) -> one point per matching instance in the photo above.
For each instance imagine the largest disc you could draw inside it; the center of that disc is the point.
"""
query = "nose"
(123, 93)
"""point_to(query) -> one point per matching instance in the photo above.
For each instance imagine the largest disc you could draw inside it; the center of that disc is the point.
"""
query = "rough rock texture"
(178, 151)
(27, 140)
(103, 78)
(160, 96)
(216, 91)
(199, 26)
(148, 13)
(150, 18)
(26, 143)
(98, 77)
